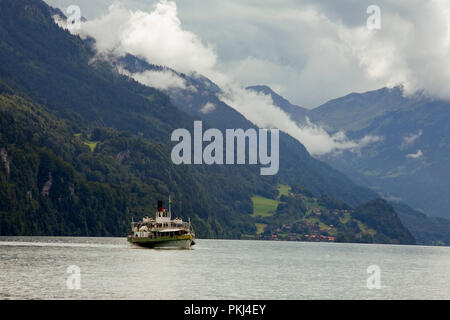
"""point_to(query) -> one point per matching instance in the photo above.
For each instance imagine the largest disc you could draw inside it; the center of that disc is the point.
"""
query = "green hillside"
(298, 216)
(73, 132)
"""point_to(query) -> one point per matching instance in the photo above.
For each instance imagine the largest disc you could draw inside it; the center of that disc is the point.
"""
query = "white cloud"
(254, 71)
(162, 80)
(156, 36)
(62, 23)
(324, 49)
(410, 139)
(259, 109)
(207, 108)
(159, 38)
(411, 49)
(417, 155)
(313, 50)
(309, 61)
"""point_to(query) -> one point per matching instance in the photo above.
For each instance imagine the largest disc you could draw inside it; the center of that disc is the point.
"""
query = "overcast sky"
(313, 51)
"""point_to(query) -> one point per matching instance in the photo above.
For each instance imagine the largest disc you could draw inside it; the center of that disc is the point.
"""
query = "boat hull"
(182, 242)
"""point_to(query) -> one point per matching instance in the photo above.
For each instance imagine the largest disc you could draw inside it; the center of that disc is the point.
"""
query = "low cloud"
(156, 36)
(60, 21)
(260, 109)
(207, 108)
(410, 139)
(163, 80)
(417, 155)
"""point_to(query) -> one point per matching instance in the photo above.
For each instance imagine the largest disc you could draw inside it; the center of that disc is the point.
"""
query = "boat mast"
(170, 204)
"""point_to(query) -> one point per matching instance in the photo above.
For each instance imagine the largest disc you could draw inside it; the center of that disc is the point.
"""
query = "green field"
(260, 227)
(283, 189)
(91, 144)
(322, 225)
(346, 218)
(264, 207)
(365, 229)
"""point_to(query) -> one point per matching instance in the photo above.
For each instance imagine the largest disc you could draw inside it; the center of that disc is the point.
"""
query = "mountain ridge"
(411, 160)
(313, 173)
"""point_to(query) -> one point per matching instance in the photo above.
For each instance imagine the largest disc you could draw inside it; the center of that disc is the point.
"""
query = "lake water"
(110, 268)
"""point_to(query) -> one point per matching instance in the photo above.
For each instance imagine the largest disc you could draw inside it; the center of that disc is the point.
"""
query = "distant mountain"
(427, 230)
(412, 161)
(296, 112)
(410, 164)
(356, 110)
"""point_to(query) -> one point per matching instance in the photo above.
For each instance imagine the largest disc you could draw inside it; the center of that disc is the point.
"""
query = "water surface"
(35, 268)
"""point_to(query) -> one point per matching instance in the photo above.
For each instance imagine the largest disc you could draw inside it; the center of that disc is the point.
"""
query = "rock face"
(6, 160)
(47, 186)
(122, 156)
(72, 189)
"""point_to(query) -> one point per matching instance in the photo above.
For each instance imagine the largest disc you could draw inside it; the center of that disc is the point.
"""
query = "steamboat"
(162, 231)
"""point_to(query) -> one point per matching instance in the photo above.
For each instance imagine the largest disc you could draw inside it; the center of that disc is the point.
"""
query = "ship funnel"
(160, 205)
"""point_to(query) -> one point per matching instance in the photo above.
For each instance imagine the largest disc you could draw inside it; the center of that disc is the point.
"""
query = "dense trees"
(88, 148)
(380, 215)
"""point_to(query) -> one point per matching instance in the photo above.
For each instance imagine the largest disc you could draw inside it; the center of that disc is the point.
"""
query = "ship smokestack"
(160, 206)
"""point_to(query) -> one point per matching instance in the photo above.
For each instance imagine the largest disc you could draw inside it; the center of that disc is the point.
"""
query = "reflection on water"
(111, 268)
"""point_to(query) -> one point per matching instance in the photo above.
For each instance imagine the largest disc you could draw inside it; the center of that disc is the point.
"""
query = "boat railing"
(158, 226)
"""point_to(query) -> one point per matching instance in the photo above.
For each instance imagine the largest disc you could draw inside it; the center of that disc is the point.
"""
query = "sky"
(307, 51)
(314, 51)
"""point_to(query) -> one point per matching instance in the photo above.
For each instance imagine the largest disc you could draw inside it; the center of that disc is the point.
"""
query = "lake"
(111, 268)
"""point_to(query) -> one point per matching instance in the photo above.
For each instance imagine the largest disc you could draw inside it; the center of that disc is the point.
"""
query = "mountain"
(426, 230)
(297, 215)
(84, 148)
(411, 162)
(76, 137)
(296, 165)
(356, 110)
(296, 112)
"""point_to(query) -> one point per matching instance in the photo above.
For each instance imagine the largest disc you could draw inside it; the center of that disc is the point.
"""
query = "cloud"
(159, 38)
(417, 155)
(318, 50)
(260, 109)
(60, 21)
(156, 36)
(313, 50)
(207, 108)
(163, 80)
(410, 139)
(412, 48)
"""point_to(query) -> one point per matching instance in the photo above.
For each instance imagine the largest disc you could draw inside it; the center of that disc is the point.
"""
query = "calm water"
(35, 268)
